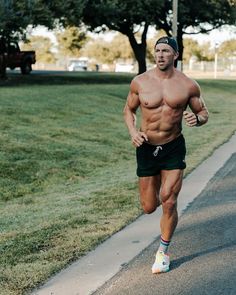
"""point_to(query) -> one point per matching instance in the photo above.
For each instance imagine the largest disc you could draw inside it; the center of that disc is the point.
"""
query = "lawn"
(67, 167)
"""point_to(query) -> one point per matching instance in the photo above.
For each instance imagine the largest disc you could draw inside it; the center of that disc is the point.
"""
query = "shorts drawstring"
(158, 148)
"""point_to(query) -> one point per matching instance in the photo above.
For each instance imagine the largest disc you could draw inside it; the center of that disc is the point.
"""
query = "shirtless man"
(163, 94)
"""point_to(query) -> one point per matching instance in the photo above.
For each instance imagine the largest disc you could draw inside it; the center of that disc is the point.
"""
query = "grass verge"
(68, 169)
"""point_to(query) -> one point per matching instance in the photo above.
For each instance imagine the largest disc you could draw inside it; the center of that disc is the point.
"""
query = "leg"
(171, 181)
(149, 188)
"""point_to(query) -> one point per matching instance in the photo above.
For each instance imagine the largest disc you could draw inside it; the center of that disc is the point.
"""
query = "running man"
(163, 95)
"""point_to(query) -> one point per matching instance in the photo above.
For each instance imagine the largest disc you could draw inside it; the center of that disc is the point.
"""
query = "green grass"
(67, 167)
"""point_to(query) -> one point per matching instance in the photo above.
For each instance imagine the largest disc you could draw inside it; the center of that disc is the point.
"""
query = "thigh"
(149, 188)
(171, 183)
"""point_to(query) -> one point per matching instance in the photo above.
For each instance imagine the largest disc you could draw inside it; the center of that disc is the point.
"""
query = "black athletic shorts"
(151, 159)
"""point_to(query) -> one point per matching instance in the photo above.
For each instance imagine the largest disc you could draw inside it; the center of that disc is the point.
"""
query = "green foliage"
(199, 13)
(108, 51)
(126, 17)
(68, 167)
(228, 48)
(202, 16)
(15, 16)
(191, 48)
(43, 47)
(204, 52)
(119, 15)
(70, 41)
(201, 52)
(121, 47)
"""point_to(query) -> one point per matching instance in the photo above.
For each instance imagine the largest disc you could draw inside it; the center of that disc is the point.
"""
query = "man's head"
(166, 53)
(168, 40)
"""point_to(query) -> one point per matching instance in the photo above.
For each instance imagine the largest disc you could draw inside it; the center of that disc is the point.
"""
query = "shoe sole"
(158, 271)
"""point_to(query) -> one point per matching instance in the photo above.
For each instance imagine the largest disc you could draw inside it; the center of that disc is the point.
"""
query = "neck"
(165, 74)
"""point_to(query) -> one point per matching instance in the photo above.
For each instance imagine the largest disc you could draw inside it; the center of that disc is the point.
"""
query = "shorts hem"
(154, 174)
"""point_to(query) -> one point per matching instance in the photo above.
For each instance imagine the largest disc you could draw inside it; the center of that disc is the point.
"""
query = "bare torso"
(162, 102)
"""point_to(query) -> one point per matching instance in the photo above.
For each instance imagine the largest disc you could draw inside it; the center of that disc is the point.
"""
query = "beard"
(164, 65)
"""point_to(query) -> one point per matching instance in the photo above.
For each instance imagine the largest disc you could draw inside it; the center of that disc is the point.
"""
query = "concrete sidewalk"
(83, 277)
(203, 248)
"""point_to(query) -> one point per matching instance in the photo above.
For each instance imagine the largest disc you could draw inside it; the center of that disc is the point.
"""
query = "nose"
(159, 53)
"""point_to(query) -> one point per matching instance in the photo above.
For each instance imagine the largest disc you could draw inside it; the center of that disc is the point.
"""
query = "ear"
(176, 55)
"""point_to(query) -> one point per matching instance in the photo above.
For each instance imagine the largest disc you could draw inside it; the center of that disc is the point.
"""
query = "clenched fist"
(191, 119)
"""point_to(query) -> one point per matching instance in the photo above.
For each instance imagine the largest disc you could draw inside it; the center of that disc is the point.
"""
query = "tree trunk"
(181, 46)
(3, 74)
(140, 49)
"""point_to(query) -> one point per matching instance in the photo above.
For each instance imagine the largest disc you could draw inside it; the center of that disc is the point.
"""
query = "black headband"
(168, 40)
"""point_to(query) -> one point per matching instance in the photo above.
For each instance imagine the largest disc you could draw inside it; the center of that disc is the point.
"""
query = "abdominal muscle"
(162, 124)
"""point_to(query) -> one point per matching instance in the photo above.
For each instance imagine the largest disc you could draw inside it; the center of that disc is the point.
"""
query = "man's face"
(165, 56)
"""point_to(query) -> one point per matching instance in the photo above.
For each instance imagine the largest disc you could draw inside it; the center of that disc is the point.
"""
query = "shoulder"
(192, 86)
(139, 80)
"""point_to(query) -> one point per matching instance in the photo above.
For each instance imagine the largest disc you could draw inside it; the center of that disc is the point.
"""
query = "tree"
(121, 47)
(127, 17)
(108, 51)
(192, 48)
(43, 45)
(202, 16)
(99, 50)
(228, 48)
(70, 41)
(15, 16)
(202, 52)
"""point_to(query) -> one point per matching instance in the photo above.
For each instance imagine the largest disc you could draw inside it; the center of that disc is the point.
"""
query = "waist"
(179, 137)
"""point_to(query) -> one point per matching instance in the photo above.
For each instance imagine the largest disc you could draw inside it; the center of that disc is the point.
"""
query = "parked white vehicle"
(122, 67)
(80, 64)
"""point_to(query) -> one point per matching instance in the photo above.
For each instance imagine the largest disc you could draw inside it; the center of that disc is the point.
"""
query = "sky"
(216, 37)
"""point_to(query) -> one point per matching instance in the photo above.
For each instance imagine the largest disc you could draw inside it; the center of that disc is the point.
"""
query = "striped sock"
(163, 245)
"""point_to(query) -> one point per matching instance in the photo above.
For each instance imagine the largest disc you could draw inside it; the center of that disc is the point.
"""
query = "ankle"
(164, 244)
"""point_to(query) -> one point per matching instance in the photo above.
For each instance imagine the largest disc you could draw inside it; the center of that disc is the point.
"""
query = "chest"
(154, 95)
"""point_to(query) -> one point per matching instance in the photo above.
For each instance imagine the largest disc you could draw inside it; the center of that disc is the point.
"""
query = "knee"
(169, 206)
(148, 208)
(169, 200)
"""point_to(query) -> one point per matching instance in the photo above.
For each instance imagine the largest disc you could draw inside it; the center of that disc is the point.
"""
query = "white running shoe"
(162, 263)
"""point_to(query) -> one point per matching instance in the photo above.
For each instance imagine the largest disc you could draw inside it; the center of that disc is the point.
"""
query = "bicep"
(132, 102)
(197, 104)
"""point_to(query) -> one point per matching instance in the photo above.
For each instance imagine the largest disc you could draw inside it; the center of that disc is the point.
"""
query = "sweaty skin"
(163, 95)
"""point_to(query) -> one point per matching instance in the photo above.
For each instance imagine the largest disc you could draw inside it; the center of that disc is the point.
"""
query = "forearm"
(137, 136)
(202, 117)
(130, 121)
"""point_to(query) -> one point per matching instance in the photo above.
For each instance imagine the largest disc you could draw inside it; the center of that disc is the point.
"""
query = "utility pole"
(178, 64)
(216, 60)
(175, 18)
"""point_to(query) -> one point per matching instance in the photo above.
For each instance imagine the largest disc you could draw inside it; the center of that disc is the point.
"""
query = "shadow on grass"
(65, 78)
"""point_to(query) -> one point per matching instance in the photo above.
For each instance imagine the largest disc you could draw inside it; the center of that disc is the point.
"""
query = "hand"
(138, 138)
(190, 119)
